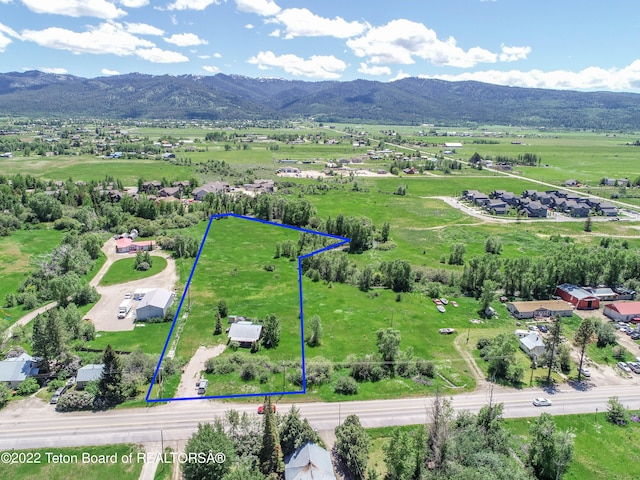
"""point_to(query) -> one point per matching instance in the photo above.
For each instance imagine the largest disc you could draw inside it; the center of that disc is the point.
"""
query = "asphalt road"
(21, 428)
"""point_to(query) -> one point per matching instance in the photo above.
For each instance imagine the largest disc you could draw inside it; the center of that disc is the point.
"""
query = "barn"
(154, 304)
(578, 297)
(622, 311)
(245, 333)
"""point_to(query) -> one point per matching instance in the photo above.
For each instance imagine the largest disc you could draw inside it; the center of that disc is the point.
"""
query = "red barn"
(578, 297)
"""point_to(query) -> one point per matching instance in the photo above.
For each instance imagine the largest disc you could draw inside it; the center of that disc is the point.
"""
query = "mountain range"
(223, 97)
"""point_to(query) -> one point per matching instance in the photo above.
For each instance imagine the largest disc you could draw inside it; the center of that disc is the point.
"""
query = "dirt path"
(194, 368)
(477, 373)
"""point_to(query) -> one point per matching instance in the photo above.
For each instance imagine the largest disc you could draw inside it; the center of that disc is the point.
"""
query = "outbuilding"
(245, 333)
(622, 311)
(578, 297)
(154, 304)
(532, 345)
(15, 370)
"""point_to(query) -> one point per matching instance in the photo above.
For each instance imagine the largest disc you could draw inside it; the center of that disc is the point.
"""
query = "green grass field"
(80, 462)
(124, 271)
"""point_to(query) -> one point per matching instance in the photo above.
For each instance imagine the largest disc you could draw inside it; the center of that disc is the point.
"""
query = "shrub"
(264, 378)
(10, 300)
(425, 368)
(248, 372)
(346, 386)
(55, 384)
(143, 266)
(319, 371)
(295, 377)
(616, 413)
(483, 342)
(73, 401)
(28, 387)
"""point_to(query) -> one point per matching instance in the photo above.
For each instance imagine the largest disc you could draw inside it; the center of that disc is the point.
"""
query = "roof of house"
(575, 291)
(310, 462)
(532, 341)
(16, 369)
(602, 291)
(157, 298)
(90, 372)
(552, 305)
(625, 308)
(245, 332)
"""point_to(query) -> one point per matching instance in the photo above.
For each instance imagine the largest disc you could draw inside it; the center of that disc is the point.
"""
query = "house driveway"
(193, 370)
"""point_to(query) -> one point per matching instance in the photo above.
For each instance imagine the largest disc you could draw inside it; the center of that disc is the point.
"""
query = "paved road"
(21, 428)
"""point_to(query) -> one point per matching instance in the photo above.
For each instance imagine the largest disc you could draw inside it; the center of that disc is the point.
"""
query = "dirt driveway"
(192, 371)
(104, 314)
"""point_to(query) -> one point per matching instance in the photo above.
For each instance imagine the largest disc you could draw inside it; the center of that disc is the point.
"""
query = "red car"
(261, 409)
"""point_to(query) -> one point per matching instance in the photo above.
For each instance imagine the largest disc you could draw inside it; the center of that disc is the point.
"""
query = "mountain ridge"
(235, 97)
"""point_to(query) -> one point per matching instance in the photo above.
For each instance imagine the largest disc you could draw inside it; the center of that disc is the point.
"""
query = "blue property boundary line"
(341, 241)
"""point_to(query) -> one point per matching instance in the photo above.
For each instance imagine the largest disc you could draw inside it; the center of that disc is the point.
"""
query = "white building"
(154, 304)
(532, 345)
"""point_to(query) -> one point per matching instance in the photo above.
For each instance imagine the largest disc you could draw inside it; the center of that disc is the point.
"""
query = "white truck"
(124, 309)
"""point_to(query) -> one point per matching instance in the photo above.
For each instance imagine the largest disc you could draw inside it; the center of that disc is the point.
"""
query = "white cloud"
(400, 76)
(56, 70)
(192, 4)
(5, 1)
(5, 33)
(157, 55)
(106, 71)
(512, 54)
(204, 57)
(261, 7)
(211, 69)
(185, 40)
(106, 38)
(317, 66)
(300, 22)
(591, 78)
(143, 29)
(371, 70)
(399, 41)
(76, 8)
(249, 26)
(134, 3)
(275, 33)
(217, 55)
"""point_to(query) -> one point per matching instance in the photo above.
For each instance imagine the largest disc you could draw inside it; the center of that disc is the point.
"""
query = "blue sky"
(568, 44)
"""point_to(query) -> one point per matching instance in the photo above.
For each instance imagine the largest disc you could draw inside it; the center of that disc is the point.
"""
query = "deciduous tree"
(583, 336)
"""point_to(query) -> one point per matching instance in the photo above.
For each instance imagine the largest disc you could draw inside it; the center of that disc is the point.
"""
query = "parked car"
(624, 367)
(543, 328)
(635, 367)
(542, 402)
(261, 409)
(585, 372)
(127, 296)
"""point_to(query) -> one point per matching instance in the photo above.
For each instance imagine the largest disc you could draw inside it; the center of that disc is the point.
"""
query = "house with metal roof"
(154, 304)
(87, 374)
(311, 462)
(245, 333)
(15, 370)
(532, 345)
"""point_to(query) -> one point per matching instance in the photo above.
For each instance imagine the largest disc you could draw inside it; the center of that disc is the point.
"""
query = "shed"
(15, 370)
(311, 462)
(532, 345)
(88, 373)
(578, 297)
(245, 333)
(622, 311)
(603, 293)
(154, 304)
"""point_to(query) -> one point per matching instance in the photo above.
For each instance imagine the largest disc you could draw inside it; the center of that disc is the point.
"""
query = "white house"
(154, 304)
(245, 333)
(310, 462)
(532, 345)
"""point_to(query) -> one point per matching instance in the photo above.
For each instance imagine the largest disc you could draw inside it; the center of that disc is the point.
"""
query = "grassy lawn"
(72, 465)
(123, 271)
(602, 450)
(150, 338)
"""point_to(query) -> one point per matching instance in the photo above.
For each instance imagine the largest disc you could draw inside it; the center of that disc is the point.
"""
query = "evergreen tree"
(270, 456)
(295, 432)
(352, 445)
(584, 335)
(218, 328)
(552, 342)
(110, 383)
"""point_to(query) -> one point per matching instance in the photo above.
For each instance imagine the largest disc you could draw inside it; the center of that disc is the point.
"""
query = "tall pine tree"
(110, 384)
(270, 455)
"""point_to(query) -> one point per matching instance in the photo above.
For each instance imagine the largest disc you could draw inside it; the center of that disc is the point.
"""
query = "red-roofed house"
(127, 245)
(622, 311)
